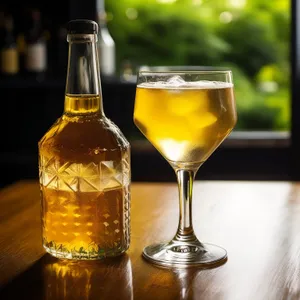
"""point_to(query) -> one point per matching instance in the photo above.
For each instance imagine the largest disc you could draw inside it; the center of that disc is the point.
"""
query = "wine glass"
(186, 113)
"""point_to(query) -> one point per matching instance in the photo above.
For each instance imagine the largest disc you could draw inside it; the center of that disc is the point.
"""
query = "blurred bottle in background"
(106, 44)
(2, 33)
(48, 29)
(20, 37)
(9, 51)
(36, 47)
(21, 51)
(2, 28)
(128, 71)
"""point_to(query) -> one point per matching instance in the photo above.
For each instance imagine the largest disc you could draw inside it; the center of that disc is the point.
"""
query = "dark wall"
(28, 110)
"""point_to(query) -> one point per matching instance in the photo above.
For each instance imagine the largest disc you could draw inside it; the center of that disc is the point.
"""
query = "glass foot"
(182, 254)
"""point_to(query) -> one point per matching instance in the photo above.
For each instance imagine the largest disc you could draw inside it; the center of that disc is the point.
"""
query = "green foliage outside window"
(252, 37)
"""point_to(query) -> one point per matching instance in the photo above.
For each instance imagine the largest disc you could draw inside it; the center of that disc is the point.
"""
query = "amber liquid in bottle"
(84, 162)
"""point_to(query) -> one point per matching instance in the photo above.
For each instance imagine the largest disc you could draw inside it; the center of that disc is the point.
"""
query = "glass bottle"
(84, 164)
(106, 44)
(9, 52)
(36, 48)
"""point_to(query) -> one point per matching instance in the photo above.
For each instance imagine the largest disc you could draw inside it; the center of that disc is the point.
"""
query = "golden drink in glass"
(185, 124)
(185, 114)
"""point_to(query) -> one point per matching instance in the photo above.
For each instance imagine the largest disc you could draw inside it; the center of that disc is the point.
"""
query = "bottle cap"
(82, 26)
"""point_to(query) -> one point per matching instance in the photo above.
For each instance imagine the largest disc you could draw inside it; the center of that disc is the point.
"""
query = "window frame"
(294, 160)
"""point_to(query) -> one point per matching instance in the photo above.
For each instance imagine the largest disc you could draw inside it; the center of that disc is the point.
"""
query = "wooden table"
(257, 222)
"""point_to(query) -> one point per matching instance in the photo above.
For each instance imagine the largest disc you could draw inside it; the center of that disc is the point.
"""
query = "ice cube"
(175, 81)
(203, 120)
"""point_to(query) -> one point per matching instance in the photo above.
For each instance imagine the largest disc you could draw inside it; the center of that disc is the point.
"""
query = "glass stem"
(185, 231)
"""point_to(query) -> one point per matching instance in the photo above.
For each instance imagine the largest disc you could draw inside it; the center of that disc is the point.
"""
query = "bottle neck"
(83, 85)
(9, 26)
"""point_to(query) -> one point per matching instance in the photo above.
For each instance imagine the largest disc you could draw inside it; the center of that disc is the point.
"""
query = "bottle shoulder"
(83, 136)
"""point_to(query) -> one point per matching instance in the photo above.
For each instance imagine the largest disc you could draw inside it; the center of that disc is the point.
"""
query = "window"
(252, 37)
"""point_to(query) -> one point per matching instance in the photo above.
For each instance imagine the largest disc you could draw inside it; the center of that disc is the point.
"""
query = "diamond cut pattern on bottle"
(126, 216)
(90, 177)
(110, 174)
(67, 182)
(126, 169)
(49, 169)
